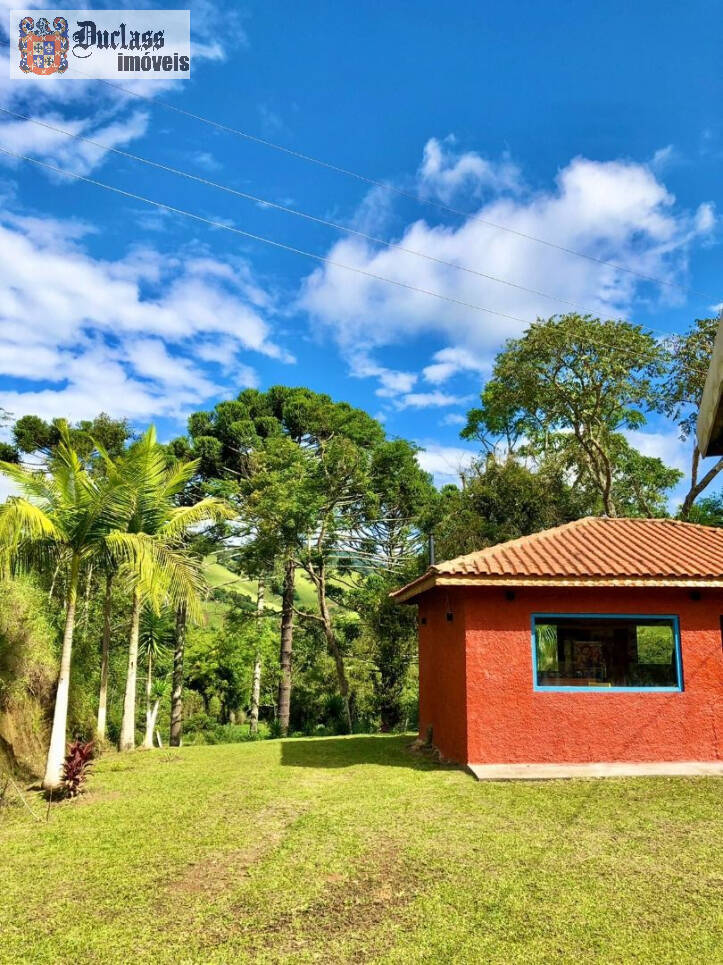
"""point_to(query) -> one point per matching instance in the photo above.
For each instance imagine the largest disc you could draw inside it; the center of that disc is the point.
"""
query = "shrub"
(28, 671)
(76, 766)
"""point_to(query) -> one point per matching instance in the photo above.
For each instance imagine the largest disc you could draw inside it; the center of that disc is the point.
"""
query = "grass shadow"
(383, 750)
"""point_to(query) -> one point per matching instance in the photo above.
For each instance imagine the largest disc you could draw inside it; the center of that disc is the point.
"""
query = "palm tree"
(62, 520)
(100, 730)
(179, 648)
(156, 637)
(152, 544)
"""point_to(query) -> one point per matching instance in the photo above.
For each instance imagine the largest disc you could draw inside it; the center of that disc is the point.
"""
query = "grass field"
(356, 850)
(217, 575)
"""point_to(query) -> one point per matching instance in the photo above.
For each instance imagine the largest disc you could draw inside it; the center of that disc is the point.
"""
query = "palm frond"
(34, 484)
(162, 573)
(178, 476)
(20, 519)
(183, 518)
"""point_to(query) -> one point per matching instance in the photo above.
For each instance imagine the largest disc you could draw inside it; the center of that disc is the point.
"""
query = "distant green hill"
(218, 576)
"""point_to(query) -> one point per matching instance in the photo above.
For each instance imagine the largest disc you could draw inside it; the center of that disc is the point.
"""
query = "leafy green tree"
(318, 489)
(575, 376)
(390, 635)
(219, 665)
(682, 391)
(224, 441)
(503, 499)
(65, 516)
(708, 511)
(385, 549)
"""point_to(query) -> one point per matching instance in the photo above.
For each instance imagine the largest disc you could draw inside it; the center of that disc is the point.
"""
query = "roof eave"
(428, 581)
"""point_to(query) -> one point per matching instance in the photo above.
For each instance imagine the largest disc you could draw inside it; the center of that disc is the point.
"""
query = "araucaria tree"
(64, 518)
(331, 492)
(305, 473)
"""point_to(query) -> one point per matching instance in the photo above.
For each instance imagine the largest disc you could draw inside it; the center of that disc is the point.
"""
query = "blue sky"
(596, 127)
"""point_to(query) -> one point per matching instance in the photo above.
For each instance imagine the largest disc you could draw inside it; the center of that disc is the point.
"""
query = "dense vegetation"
(233, 584)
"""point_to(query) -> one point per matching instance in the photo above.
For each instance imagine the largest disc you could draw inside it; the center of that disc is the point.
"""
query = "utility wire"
(294, 211)
(645, 359)
(261, 238)
(386, 186)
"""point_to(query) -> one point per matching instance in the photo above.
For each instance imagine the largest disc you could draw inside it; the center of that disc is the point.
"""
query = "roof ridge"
(654, 519)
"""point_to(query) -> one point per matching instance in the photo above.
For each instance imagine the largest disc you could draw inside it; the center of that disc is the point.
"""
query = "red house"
(591, 648)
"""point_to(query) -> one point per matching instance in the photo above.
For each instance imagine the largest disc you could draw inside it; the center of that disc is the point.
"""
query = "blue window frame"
(606, 653)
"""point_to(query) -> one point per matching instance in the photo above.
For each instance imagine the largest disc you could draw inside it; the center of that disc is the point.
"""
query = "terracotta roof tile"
(593, 549)
(602, 547)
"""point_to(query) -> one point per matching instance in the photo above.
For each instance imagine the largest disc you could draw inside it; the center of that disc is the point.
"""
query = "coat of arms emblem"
(42, 50)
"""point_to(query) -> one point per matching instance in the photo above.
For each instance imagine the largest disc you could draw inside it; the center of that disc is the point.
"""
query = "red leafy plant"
(76, 766)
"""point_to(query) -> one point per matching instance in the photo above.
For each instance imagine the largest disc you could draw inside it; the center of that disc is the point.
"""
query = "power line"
(293, 211)
(290, 248)
(386, 186)
(261, 238)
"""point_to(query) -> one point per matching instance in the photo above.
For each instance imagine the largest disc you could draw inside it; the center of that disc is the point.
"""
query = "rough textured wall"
(508, 722)
(442, 678)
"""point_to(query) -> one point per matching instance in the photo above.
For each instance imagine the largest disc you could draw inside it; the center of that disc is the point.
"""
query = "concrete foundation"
(551, 772)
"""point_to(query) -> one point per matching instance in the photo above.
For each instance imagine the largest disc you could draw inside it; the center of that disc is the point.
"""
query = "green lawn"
(355, 850)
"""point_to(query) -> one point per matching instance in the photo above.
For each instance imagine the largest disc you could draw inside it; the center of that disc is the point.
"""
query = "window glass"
(606, 652)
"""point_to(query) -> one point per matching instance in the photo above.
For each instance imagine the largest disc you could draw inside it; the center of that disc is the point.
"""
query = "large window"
(600, 652)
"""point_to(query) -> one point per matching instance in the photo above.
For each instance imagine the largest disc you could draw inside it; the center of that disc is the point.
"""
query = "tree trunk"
(56, 751)
(148, 738)
(287, 642)
(177, 690)
(153, 719)
(86, 605)
(105, 649)
(256, 683)
(697, 487)
(128, 725)
(333, 645)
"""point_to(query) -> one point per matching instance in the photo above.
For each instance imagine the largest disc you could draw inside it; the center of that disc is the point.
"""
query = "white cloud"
(663, 158)
(444, 172)
(137, 337)
(107, 114)
(67, 153)
(449, 361)
(392, 382)
(206, 160)
(427, 400)
(667, 446)
(445, 463)
(616, 211)
(453, 419)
